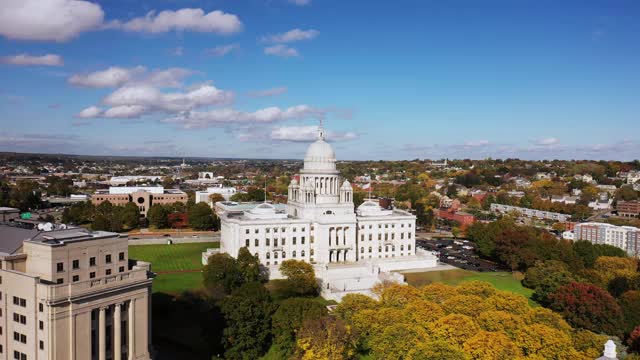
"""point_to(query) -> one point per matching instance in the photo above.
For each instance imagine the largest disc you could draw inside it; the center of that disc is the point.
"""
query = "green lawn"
(501, 280)
(169, 260)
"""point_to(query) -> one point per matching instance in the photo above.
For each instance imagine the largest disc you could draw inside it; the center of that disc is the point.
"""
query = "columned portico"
(117, 342)
(117, 332)
(102, 338)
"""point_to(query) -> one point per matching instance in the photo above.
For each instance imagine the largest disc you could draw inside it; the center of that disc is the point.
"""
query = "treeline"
(594, 287)
(109, 217)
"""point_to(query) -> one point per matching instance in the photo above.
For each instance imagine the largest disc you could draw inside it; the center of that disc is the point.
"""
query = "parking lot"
(459, 253)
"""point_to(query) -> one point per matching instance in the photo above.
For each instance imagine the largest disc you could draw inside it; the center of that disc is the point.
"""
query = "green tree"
(201, 217)
(300, 276)
(26, 195)
(247, 313)
(157, 215)
(222, 275)
(288, 320)
(249, 266)
(130, 215)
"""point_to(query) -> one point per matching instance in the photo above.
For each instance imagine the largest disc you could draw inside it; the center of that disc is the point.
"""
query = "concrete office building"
(143, 196)
(72, 295)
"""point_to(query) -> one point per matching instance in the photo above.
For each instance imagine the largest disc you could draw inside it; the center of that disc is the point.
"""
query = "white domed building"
(352, 249)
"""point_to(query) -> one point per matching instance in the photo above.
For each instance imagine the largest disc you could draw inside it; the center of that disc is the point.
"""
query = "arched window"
(401, 247)
(302, 253)
(293, 254)
(268, 255)
(275, 255)
(369, 248)
(246, 243)
(311, 252)
(379, 248)
(268, 241)
(284, 254)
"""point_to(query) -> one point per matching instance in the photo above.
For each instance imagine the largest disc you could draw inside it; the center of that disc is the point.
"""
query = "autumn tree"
(587, 306)
(288, 320)
(326, 338)
(630, 304)
(491, 345)
(222, 275)
(396, 341)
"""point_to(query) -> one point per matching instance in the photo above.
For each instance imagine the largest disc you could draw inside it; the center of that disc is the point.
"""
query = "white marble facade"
(320, 225)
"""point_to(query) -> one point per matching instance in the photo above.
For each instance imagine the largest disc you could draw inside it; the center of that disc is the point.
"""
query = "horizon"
(533, 80)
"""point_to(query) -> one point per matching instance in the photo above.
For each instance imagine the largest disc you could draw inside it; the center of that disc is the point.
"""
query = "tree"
(247, 313)
(353, 303)
(222, 274)
(491, 345)
(201, 217)
(455, 328)
(436, 350)
(396, 341)
(300, 276)
(326, 338)
(288, 320)
(495, 320)
(214, 198)
(630, 304)
(157, 215)
(25, 195)
(542, 342)
(634, 340)
(130, 215)
(626, 193)
(249, 266)
(587, 306)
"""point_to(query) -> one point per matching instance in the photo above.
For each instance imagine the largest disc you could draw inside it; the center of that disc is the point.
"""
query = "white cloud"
(292, 36)
(48, 20)
(218, 117)
(307, 133)
(125, 112)
(154, 100)
(281, 51)
(268, 92)
(300, 2)
(112, 77)
(24, 59)
(550, 141)
(182, 20)
(116, 76)
(222, 50)
(479, 143)
(90, 112)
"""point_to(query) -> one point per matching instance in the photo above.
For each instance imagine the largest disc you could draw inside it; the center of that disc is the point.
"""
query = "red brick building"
(628, 208)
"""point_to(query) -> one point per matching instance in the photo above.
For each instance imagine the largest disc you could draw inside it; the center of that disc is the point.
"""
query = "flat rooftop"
(12, 237)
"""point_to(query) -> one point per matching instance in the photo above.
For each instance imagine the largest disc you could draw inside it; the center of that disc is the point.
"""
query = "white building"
(226, 192)
(124, 180)
(633, 177)
(531, 213)
(352, 250)
(624, 237)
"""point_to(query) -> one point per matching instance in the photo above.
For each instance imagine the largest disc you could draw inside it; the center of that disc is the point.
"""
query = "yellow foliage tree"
(477, 288)
(437, 350)
(509, 302)
(352, 303)
(544, 316)
(487, 345)
(396, 341)
(438, 292)
(423, 312)
(539, 341)
(469, 305)
(496, 320)
(455, 328)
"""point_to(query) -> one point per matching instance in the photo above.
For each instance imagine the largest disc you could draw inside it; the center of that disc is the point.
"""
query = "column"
(102, 329)
(117, 332)
(132, 330)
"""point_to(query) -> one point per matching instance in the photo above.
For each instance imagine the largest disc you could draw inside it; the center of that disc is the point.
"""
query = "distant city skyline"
(392, 80)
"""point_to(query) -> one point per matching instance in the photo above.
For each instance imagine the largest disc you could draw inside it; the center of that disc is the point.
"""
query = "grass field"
(177, 266)
(501, 280)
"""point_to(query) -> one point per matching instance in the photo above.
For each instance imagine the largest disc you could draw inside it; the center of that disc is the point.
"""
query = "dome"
(320, 155)
(346, 185)
(293, 183)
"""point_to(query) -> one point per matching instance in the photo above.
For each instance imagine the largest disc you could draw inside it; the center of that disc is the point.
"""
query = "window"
(283, 241)
(76, 278)
(302, 240)
(121, 269)
(41, 325)
(268, 230)
(107, 259)
(23, 302)
(268, 256)
(76, 264)
(275, 255)
(246, 231)
(41, 345)
(275, 242)
(256, 242)
(121, 256)
(108, 272)
(23, 338)
(16, 336)
(40, 307)
(60, 267)
(92, 275)
(268, 242)
(293, 254)
(302, 253)
(246, 243)
(16, 300)
(92, 261)
(294, 241)
(255, 231)
(60, 281)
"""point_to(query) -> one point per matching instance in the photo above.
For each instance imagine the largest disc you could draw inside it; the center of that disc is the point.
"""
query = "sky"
(403, 79)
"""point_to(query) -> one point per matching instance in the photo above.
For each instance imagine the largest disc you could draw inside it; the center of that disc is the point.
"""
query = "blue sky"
(392, 79)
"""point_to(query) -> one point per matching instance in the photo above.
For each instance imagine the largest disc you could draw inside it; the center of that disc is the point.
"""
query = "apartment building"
(628, 208)
(624, 237)
(143, 196)
(72, 294)
(531, 213)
